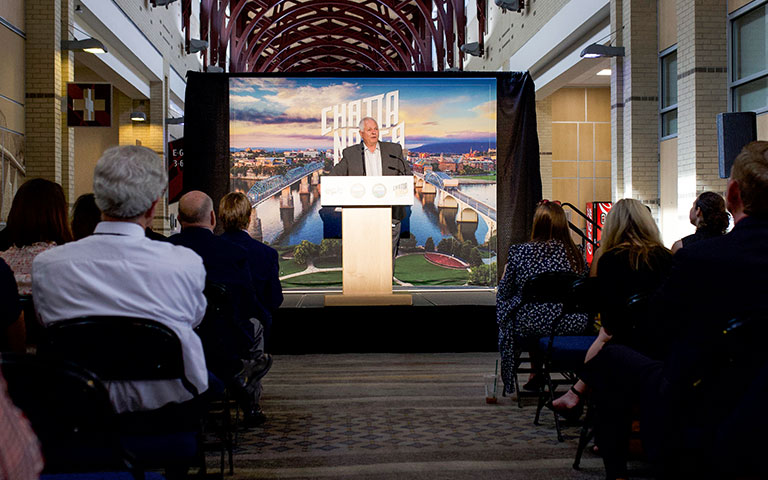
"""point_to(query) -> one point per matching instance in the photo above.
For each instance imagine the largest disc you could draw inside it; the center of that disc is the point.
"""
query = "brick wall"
(702, 94)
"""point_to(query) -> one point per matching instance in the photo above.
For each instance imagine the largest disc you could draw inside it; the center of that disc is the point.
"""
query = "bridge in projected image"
(307, 175)
(448, 197)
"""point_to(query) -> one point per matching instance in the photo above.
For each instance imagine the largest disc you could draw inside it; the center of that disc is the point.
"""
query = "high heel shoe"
(572, 414)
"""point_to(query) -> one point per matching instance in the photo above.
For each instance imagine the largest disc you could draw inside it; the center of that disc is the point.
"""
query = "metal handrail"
(581, 214)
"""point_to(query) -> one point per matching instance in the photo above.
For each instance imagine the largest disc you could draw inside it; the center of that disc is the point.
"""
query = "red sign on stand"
(175, 169)
(596, 211)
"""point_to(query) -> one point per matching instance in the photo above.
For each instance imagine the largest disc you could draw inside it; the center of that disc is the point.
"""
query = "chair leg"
(543, 400)
(587, 433)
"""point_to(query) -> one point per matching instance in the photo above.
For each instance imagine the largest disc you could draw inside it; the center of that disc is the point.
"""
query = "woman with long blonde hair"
(631, 260)
(551, 249)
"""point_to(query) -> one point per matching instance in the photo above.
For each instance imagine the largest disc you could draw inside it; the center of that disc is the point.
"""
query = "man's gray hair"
(127, 180)
(361, 125)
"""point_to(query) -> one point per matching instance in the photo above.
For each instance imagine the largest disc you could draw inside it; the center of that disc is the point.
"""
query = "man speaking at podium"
(374, 158)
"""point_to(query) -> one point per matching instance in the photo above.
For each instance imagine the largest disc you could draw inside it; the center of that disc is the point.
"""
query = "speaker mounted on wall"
(734, 130)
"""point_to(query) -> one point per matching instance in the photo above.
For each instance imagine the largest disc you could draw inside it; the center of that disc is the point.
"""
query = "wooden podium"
(366, 236)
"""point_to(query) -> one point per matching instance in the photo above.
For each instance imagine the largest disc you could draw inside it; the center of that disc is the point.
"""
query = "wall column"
(156, 141)
(43, 102)
(641, 107)
(67, 157)
(702, 94)
(617, 106)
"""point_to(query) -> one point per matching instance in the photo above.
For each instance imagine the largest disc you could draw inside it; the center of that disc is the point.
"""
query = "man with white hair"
(117, 271)
(374, 158)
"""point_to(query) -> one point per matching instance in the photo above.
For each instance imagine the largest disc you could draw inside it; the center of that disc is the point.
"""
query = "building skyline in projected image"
(287, 132)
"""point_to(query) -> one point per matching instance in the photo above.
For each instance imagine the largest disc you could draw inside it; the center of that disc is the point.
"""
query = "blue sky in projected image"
(286, 112)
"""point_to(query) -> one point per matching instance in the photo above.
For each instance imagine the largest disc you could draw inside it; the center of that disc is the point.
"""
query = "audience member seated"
(85, 216)
(710, 283)
(631, 261)
(550, 250)
(709, 217)
(235, 215)
(242, 338)
(117, 271)
(37, 222)
(20, 456)
(12, 331)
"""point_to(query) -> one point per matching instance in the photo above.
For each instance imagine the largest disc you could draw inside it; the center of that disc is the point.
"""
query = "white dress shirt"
(118, 271)
(372, 161)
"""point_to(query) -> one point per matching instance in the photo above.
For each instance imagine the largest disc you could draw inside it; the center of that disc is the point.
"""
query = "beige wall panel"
(568, 105)
(12, 70)
(11, 115)
(586, 192)
(586, 142)
(603, 169)
(90, 143)
(667, 23)
(13, 12)
(564, 137)
(598, 104)
(564, 169)
(602, 190)
(762, 127)
(564, 189)
(734, 5)
(602, 141)
(586, 169)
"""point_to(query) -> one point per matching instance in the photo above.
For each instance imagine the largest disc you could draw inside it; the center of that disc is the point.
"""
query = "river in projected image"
(287, 220)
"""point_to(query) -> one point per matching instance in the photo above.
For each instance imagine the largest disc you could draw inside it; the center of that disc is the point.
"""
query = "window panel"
(749, 43)
(669, 123)
(751, 96)
(669, 80)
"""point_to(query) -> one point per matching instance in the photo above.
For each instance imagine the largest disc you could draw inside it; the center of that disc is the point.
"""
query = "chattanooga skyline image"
(285, 133)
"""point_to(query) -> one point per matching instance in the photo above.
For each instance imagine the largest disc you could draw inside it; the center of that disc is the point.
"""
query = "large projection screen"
(470, 140)
(285, 133)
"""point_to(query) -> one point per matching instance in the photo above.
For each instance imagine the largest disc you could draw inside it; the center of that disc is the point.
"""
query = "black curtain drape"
(518, 174)
(206, 134)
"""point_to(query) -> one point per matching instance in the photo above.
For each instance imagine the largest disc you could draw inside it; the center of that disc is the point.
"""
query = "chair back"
(119, 348)
(70, 411)
(549, 287)
(585, 296)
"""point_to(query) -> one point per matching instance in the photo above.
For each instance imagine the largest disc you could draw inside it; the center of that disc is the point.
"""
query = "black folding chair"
(635, 312)
(70, 411)
(120, 349)
(561, 354)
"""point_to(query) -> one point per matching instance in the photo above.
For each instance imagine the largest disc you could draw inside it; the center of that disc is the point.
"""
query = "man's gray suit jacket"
(352, 163)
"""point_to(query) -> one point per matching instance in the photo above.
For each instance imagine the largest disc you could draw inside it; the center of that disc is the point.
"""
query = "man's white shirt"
(119, 272)
(372, 161)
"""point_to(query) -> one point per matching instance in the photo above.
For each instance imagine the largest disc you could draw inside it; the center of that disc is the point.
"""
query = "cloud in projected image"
(286, 112)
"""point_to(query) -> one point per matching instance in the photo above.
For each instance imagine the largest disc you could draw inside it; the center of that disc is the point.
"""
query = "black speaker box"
(734, 130)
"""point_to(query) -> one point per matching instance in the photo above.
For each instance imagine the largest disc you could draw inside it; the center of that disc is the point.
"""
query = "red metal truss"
(333, 35)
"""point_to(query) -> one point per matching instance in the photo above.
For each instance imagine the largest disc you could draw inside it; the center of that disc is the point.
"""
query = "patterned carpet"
(404, 416)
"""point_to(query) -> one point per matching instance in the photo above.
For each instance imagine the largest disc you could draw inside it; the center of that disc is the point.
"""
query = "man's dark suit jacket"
(265, 272)
(226, 264)
(352, 163)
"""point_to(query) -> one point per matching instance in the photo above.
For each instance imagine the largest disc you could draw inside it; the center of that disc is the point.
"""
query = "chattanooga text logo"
(342, 120)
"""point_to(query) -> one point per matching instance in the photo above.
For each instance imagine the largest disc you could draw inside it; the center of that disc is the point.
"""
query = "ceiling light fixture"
(138, 116)
(90, 45)
(596, 50)
(606, 72)
(473, 49)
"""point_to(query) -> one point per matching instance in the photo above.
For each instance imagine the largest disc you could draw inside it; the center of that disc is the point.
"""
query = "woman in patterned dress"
(37, 221)
(551, 249)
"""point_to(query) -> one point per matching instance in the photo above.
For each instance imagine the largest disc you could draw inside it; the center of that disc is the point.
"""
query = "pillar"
(702, 94)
